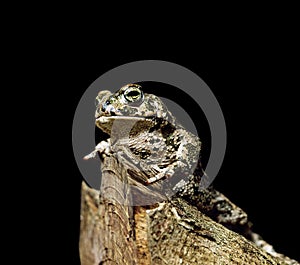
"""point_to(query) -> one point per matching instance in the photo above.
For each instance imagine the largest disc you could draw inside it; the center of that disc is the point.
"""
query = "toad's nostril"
(108, 109)
(105, 106)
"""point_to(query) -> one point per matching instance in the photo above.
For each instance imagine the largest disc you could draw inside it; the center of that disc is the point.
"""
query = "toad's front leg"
(166, 173)
(103, 148)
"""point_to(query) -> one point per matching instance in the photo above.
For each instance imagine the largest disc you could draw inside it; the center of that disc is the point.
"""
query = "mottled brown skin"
(151, 137)
(146, 138)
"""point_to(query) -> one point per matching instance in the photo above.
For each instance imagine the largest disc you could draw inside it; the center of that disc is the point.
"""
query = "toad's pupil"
(133, 94)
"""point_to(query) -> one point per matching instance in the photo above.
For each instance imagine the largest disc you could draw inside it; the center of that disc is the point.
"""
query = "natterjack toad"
(144, 133)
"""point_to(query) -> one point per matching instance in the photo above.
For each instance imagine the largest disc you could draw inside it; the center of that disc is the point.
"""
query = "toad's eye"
(133, 94)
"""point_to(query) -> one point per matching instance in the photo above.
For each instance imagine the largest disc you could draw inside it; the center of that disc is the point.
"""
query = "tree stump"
(171, 232)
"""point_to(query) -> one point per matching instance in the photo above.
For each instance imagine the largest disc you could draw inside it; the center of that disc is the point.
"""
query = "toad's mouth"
(106, 119)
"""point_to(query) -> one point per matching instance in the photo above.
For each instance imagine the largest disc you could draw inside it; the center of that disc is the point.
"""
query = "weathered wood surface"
(106, 236)
(171, 232)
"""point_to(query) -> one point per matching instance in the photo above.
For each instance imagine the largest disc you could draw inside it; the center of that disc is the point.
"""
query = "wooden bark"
(171, 232)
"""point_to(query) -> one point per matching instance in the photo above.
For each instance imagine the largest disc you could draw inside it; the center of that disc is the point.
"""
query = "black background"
(251, 77)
